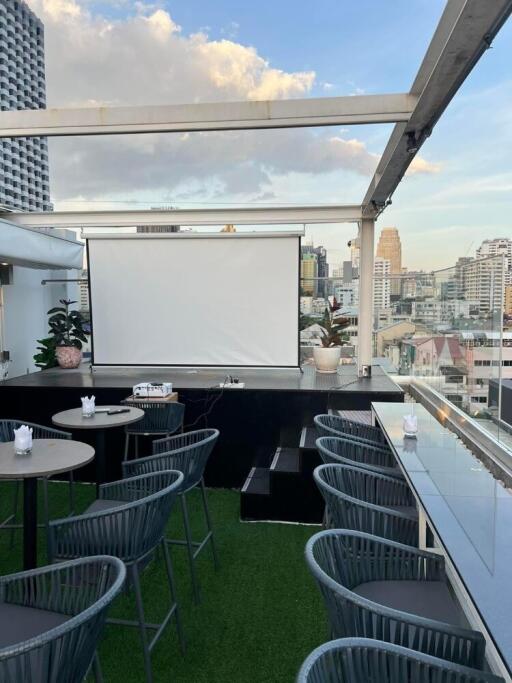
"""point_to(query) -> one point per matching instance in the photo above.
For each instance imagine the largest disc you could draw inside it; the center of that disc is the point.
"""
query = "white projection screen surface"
(205, 301)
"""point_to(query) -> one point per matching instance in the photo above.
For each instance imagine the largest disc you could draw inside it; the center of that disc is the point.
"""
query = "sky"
(126, 52)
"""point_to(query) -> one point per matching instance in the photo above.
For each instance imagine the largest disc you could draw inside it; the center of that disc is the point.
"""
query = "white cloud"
(421, 165)
(146, 58)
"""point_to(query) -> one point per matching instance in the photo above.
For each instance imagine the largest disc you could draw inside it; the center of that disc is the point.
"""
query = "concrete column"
(365, 323)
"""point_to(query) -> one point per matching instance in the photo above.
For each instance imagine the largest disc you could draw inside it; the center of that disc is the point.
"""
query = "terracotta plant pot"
(68, 356)
(327, 359)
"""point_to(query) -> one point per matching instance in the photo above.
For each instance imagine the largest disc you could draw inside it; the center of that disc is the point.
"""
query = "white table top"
(48, 456)
(73, 419)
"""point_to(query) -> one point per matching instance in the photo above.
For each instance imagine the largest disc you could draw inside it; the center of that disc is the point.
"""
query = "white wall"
(25, 319)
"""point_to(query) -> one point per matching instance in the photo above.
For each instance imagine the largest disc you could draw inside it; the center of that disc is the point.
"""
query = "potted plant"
(68, 333)
(327, 356)
(45, 357)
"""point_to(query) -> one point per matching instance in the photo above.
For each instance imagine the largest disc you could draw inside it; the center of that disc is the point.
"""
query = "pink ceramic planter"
(68, 356)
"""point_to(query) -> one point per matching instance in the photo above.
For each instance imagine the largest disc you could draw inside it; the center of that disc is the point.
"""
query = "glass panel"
(446, 328)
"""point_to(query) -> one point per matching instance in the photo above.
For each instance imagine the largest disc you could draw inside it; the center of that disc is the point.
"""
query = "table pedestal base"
(29, 523)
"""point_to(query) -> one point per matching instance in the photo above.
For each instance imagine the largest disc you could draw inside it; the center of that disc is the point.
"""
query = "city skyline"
(236, 52)
(338, 254)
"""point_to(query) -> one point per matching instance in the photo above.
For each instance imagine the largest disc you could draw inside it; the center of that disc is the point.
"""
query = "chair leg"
(71, 494)
(136, 446)
(142, 623)
(96, 668)
(14, 511)
(190, 548)
(46, 509)
(172, 588)
(209, 524)
(126, 446)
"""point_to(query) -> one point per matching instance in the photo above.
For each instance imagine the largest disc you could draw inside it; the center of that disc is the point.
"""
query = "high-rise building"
(484, 280)
(508, 300)
(355, 248)
(322, 268)
(389, 247)
(83, 289)
(158, 228)
(24, 173)
(500, 246)
(487, 277)
(381, 284)
(308, 273)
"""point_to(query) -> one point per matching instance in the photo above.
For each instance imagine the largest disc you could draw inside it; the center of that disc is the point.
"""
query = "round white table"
(48, 457)
(74, 420)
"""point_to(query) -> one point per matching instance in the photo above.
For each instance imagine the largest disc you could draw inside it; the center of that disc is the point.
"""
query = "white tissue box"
(152, 389)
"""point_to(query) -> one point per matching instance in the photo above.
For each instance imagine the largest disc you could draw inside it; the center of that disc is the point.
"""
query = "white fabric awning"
(38, 249)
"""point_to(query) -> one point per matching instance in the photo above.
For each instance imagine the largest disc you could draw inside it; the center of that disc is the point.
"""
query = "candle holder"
(23, 440)
(20, 450)
(410, 426)
(88, 406)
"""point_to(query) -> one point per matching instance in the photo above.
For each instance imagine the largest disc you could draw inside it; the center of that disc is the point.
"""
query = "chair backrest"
(344, 451)
(187, 453)
(7, 428)
(344, 558)
(159, 418)
(359, 660)
(340, 560)
(365, 485)
(356, 499)
(82, 590)
(129, 531)
(335, 425)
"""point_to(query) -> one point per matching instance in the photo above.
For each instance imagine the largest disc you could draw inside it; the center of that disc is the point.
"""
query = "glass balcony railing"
(448, 328)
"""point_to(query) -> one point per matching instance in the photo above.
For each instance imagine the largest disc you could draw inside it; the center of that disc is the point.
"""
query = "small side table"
(74, 420)
(48, 457)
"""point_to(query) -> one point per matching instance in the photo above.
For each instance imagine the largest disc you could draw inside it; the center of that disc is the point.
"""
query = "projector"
(152, 389)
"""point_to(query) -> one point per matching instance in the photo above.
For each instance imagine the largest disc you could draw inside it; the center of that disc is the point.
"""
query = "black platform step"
(286, 460)
(362, 416)
(258, 482)
(308, 437)
(256, 503)
(309, 458)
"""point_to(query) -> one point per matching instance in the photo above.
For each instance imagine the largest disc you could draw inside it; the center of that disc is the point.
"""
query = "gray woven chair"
(361, 660)
(368, 501)
(7, 428)
(376, 588)
(188, 453)
(160, 419)
(344, 451)
(51, 619)
(128, 521)
(334, 425)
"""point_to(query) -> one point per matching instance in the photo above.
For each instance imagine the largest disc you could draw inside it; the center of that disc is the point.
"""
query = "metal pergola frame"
(465, 31)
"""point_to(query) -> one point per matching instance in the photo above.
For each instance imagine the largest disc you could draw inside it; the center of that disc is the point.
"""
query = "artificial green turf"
(260, 614)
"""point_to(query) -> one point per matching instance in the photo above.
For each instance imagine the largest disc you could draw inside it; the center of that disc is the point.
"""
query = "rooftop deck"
(259, 617)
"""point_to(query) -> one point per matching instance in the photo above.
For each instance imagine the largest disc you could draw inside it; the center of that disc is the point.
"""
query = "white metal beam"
(315, 111)
(189, 217)
(365, 317)
(465, 31)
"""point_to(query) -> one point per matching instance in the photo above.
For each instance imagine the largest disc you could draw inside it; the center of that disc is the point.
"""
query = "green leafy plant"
(332, 326)
(67, 327)
(46, 358)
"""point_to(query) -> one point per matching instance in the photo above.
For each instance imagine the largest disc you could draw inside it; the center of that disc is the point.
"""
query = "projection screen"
(194, 300)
